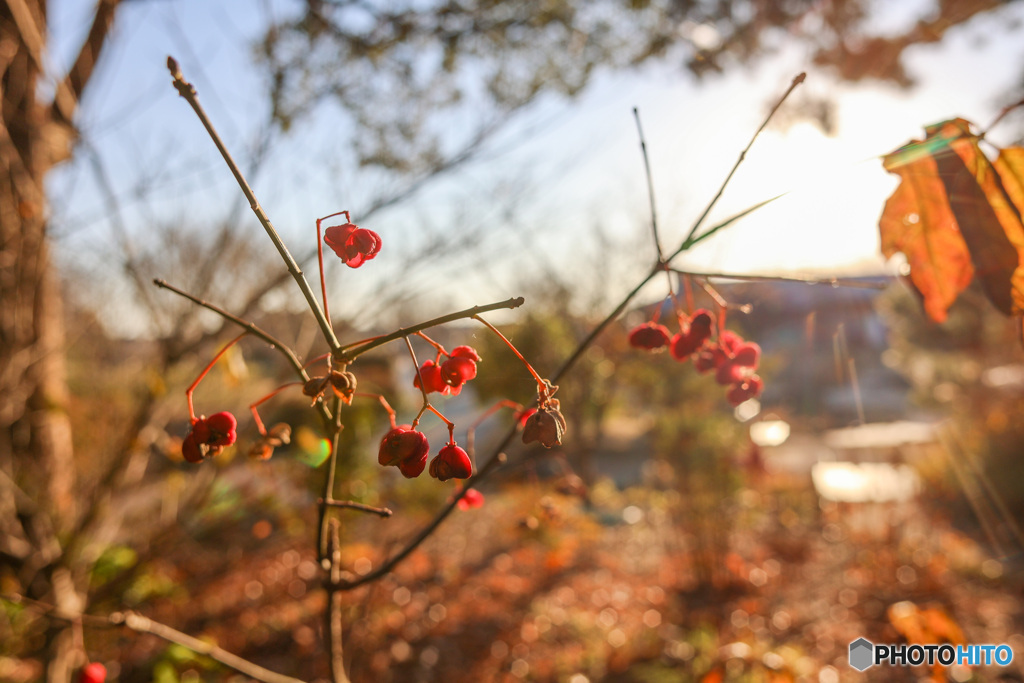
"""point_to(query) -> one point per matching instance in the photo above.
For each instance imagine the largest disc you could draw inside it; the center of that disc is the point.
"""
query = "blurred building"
(823, 351)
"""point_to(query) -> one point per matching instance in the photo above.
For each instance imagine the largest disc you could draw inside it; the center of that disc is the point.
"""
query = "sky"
(560, 171)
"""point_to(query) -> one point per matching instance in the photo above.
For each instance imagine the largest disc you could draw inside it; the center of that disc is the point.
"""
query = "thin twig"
(690, 242)
(254, 330)
(140, 624)
(1005, 110)
(832, 281)
(714, 200)
(650, 183)
(328, 494)
(351, 504)
(346, 354)
(334, 598)
(188, 91)
(251, 328)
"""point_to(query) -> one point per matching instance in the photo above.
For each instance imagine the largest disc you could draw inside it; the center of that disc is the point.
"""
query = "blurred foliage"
(397, 69)
(970, 369)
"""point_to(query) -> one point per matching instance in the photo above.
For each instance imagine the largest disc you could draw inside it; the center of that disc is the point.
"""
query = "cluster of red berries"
(447, 378)
(406, 448)
(353, 245)
(734, 360)
(209, 436)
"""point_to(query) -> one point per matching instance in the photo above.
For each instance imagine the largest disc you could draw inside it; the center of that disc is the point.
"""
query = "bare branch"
(252, 328)
(650, 183)
(334, 598)
(831, 281)
(89, 54)
(714, 200)
(352, 505)
(347, 355)
(188, 91)
(140, 624)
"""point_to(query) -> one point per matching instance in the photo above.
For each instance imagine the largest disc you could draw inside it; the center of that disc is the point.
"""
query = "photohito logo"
(864, 654)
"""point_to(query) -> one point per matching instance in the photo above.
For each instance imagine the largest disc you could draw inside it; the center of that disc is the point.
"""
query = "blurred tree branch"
(397, 69)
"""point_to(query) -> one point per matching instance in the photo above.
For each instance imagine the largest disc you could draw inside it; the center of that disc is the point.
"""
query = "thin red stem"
(316, 360)
(540, 381)
(423, 391)
(383, 402)
(438, 347)
(320, 260)
(320, 265)
(471, 431)
(192, 387)
(451, 425)
(272, 394)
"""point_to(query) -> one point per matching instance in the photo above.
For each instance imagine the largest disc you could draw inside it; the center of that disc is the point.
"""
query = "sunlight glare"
(769, 432)
(827, 219)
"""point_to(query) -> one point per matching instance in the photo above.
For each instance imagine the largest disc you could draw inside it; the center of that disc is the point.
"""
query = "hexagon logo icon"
(861, 654)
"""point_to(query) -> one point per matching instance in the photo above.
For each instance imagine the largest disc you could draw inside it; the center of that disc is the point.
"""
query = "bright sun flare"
(826, 222)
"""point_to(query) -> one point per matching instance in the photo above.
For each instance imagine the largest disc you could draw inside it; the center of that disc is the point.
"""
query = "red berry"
(456, 371)
(432, 378)
(209, 436)
(222, 429)
(700, 325)
(471, 499)
(729, 341)
(406, 449)
(748, 355)
(412, 467)
(352, 244)
(649, 336)
(745, 390)
(524, 415)
(730, 372)
(93, 672)
(465, 352)
(451, 462)
(709, 358)
(684, 344)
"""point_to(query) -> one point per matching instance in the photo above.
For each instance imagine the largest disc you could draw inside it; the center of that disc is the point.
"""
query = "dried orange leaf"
(988, 220)
(956, 215)
(1010, 167)
(918, 222)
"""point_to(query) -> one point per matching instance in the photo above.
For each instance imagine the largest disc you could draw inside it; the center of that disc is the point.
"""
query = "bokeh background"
(871, 491)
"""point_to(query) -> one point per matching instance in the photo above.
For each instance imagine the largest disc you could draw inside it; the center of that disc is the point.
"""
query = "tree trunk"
(35, 432)
(35, 435)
